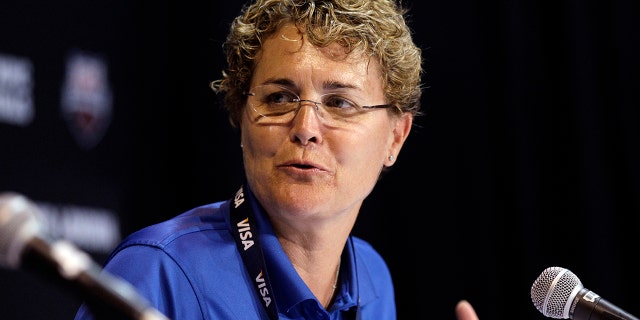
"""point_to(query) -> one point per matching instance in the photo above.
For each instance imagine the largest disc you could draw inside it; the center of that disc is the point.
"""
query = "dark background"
(527, 157)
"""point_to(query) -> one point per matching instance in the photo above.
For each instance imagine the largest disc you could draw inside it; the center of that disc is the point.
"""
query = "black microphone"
(25, 245)
(559, 294)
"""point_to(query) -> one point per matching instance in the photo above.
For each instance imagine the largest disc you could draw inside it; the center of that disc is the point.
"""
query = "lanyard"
(245, 233)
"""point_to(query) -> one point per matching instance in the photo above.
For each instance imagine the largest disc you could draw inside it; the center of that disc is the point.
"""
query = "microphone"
(559, 294)
(25, 245)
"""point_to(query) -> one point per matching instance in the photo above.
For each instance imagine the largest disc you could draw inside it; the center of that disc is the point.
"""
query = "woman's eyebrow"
(338, 85)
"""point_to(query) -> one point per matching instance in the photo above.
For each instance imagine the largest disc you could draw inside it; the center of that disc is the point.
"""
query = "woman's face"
(311, 168)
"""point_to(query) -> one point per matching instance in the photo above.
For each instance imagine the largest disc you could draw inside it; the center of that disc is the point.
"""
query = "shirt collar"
(290, 291)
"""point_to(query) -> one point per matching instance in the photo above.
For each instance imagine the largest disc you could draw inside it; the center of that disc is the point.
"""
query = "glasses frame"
(299, 100)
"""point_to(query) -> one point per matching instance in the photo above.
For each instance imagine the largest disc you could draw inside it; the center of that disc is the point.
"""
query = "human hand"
(464, 311)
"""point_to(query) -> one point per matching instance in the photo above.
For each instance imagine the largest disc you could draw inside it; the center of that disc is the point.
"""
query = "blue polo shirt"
(189, 268)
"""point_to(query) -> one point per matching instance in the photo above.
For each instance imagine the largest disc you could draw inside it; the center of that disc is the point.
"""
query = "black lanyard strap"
(245, 233)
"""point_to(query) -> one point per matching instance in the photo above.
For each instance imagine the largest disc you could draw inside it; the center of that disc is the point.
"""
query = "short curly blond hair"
(376, 27)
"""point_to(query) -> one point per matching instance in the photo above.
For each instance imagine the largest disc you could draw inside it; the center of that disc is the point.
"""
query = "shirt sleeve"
(157, 278)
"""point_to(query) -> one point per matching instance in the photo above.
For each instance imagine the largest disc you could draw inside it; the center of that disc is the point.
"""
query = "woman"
(324, 94)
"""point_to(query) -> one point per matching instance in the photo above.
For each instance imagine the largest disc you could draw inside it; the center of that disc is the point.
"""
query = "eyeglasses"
(277, 104)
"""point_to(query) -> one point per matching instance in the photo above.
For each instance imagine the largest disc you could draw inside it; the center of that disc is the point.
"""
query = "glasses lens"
(273, 102)
(277, 104)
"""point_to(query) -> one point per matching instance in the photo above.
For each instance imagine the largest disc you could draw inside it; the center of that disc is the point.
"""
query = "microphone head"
(554, 291)
(19, 222)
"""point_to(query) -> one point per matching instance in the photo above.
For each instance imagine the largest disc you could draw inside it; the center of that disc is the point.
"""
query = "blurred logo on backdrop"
(86, 100)
(16, 90)
(92, 228)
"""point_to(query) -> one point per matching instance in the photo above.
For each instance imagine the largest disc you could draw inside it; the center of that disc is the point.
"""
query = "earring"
(391, 158)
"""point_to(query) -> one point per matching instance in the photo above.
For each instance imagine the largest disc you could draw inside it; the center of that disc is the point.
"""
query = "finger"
(464, 311)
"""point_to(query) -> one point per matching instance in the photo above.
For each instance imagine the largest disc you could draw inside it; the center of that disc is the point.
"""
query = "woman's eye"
(280, 97)
(339, 102)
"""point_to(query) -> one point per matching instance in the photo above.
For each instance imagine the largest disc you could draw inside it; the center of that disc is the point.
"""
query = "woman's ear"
(401, 130)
